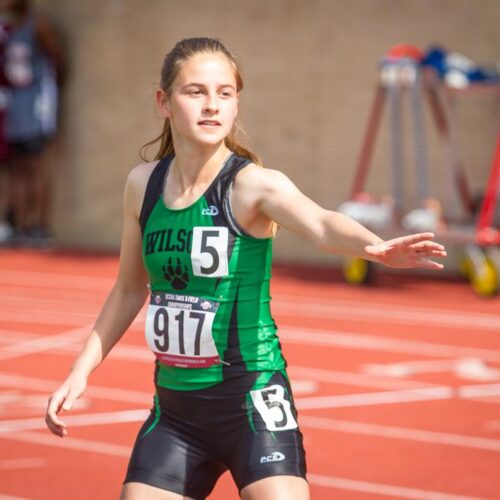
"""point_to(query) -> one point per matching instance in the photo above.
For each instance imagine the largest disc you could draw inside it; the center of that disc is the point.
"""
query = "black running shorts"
(247, 425)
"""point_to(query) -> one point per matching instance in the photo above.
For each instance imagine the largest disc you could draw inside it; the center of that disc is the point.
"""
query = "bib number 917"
(179, 330)
(162, 330)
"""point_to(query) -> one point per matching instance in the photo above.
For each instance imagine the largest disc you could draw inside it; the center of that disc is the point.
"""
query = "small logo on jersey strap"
(177, 274)
(275, 456)
(211, 210)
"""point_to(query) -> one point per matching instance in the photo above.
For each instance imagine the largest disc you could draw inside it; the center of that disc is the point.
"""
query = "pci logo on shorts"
(275, 456)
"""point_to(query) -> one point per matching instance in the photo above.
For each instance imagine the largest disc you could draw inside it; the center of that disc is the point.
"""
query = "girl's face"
(203, 102)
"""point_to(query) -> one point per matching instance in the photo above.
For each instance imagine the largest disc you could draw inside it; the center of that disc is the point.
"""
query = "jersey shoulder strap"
(223, 190)
(225, 178)
(154, 189)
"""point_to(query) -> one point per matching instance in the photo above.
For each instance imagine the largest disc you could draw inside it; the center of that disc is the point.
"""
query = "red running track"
(397, 385)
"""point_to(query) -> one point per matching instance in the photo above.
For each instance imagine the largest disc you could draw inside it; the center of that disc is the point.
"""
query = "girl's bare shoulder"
(138, 177)
(140, 173)
(259, 178)
(137, 182)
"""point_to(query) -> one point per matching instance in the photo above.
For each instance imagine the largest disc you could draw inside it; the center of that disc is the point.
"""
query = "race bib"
(209, 252)
(179, 330)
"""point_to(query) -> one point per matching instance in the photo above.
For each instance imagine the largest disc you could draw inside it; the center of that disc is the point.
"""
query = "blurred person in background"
(5, 227)
(33, 67)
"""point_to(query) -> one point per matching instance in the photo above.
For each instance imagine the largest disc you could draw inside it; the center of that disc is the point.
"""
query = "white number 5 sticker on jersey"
(274, 409)
(209, 251)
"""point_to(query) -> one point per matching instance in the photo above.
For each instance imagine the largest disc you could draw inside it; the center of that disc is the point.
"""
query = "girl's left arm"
(274, 195)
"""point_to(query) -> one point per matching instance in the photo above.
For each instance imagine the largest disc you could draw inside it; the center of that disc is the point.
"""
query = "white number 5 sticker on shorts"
(209, 252)
(274, 409)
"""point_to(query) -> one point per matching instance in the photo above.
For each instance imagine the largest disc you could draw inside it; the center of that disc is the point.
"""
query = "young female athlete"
(198, 229)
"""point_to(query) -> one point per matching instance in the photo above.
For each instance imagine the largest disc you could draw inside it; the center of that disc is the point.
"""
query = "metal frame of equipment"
(475, 231)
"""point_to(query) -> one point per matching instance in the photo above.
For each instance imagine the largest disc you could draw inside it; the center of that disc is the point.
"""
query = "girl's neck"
(195, 165)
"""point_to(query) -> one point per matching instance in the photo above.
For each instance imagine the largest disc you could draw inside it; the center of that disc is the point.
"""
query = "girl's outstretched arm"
(121, 307)
(263, 192)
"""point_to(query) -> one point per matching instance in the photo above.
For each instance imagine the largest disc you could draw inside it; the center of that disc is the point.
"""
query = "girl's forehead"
(205, 67)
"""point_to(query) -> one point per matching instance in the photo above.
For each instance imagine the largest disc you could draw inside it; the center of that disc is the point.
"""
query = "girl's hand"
(63, 399)
(413, 251)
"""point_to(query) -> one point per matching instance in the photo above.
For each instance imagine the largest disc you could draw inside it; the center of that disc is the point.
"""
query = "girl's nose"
(211, 105)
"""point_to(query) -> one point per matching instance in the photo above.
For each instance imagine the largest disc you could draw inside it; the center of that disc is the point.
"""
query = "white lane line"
(407, 368)
(492, 425)
(465, 368)
(10, 497)
(45, 343)
(354, 379)
(22, 463)
(72, 443)
(374, 398)
(29, 403)
(479, 391)
(364, 342)
(304, 386)
(47, 386)
(54, 280)
(11, 397)
(394, 313)
(33, 302)
(46, 317)
(382, 489)
(404, 433)
(12, 336)
(116, 417)
(119, 352)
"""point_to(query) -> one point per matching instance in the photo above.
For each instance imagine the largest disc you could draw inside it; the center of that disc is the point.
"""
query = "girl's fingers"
(437, 253)
(412, 239)
(427, 245)
(58, 430)
(429, 264)
(430, 252)
(54, 423)
(409, 251)
(62, 400)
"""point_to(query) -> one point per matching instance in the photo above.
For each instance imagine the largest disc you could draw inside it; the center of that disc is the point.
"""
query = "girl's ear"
(162, 103)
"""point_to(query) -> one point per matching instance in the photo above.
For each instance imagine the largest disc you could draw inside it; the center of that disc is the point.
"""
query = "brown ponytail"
(166, 144)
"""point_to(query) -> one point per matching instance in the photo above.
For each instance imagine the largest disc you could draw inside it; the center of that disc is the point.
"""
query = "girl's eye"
(195, 92)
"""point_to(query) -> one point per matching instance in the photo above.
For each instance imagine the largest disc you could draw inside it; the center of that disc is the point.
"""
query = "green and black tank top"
(209, 316)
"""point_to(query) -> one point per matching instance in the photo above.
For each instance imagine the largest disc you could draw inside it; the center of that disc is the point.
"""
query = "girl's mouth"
(209, 123)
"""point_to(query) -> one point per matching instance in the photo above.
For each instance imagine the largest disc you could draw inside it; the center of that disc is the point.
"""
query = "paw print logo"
(177, 275)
